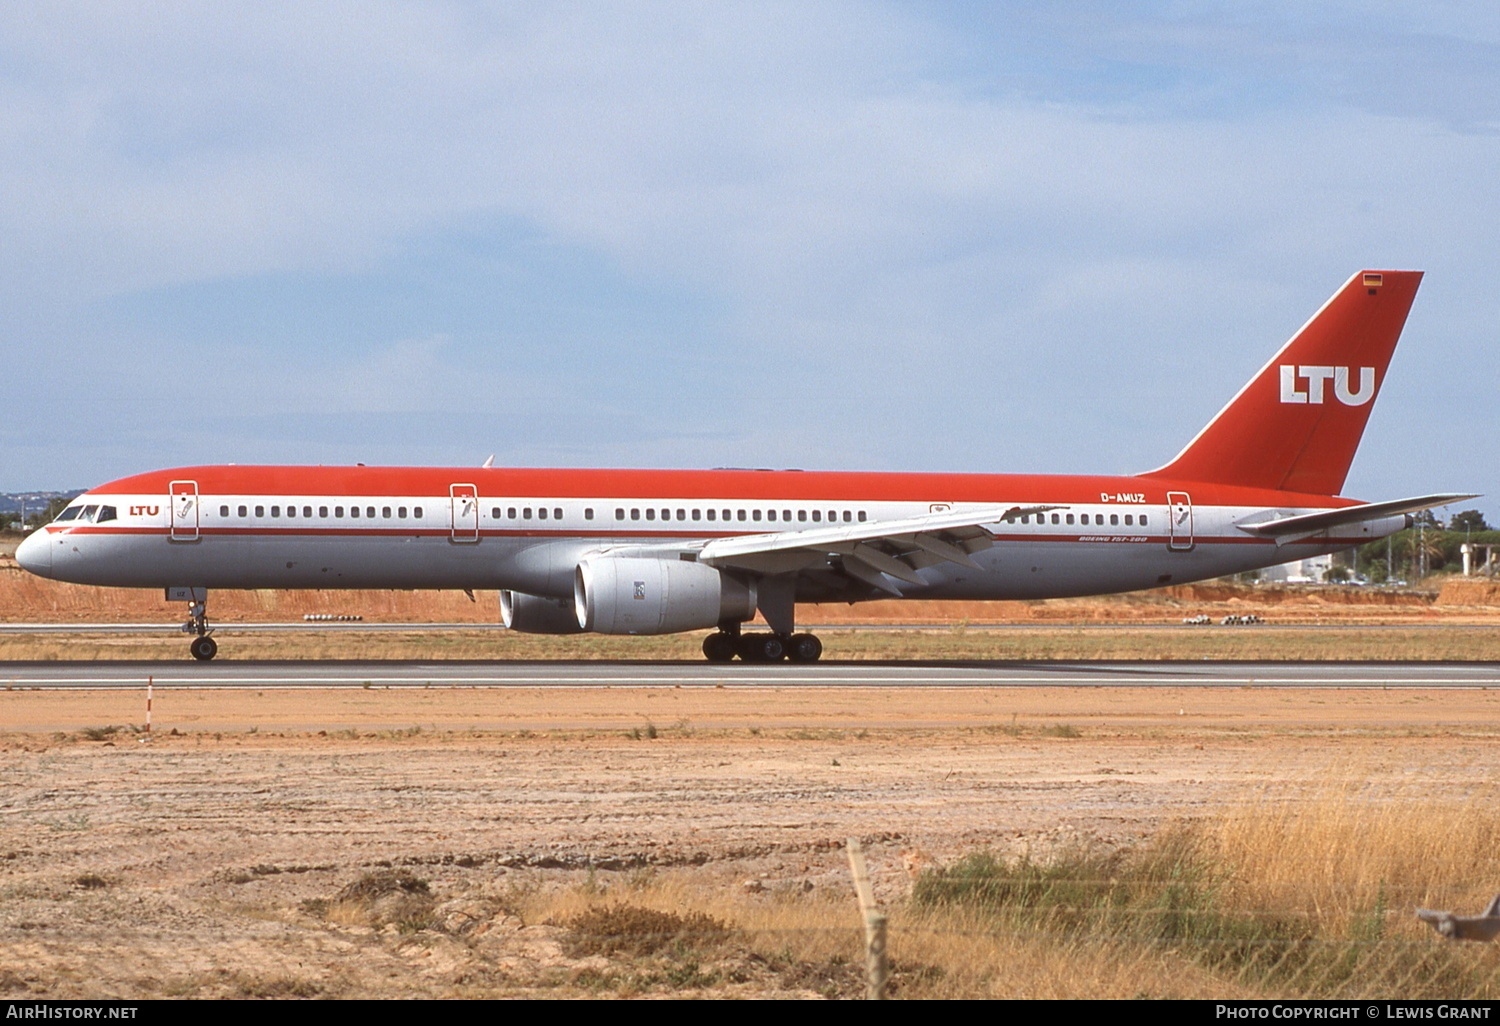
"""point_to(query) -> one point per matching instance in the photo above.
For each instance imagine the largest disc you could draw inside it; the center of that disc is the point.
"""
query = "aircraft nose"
(34, 554)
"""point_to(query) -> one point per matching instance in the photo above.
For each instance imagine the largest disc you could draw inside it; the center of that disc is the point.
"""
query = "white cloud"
(924, 210)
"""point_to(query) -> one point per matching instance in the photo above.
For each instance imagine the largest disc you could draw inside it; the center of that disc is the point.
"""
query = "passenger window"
(712, 514)
(260, 511)
(741, 514)
(697, 514)
(370, 512)
(682, 514)
(755, 516)
(511, 512)
(861, 516)
(338, 512)
(817, 516)
(223, 511)
(786, 515)
(588, 513)
(322, 512)
(770, 514)
(276, 511)
(802, 516)
(557, 513)
(353, 511)
(1143, 520)
(666, 514)
(1070, 518)
(1114, 519)
(526, 513)
(650, 514)
(307, 512)
(417, 512)
(1129, 519)
(541, 514)
(385, 512)
(619, 513)
(635, 514)
(494, 513)
(847, 516)
(401, 513)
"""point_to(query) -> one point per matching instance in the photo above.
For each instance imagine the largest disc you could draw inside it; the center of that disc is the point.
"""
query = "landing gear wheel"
(204, 648)
(719, 647)
(762, 648)
(804, 648)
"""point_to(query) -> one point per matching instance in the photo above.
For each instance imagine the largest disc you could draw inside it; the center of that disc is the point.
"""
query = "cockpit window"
(68, 514)
(105, 513)
(88, 513)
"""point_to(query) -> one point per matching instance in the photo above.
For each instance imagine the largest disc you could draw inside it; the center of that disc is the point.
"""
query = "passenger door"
(184, 511)
(464, 502)
(1180, 519)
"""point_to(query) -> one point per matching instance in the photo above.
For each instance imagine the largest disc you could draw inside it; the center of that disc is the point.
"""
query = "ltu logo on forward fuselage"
(1315, 377)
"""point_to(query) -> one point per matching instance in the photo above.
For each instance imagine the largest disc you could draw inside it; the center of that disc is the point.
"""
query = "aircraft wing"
(1311, 523)
(873, 552)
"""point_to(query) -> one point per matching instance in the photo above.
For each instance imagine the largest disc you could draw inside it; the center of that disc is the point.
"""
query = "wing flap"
(874, 552)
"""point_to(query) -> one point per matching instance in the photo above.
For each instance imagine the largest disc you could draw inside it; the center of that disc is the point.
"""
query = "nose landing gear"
(202, 647)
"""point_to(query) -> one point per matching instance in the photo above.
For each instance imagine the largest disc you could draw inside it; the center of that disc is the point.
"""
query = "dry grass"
(1343, 855)
(1274, 899)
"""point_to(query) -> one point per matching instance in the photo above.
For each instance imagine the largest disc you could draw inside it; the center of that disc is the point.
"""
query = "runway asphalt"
(342, 674)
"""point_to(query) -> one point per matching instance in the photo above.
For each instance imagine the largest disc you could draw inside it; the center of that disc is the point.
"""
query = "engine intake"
(656, 596)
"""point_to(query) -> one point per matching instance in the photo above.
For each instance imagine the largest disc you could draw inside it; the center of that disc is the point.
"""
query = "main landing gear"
(202, 647)
(723, 646)
(776, 598)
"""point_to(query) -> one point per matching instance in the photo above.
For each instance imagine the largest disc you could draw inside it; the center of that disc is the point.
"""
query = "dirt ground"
(373, 843)
(204, 861)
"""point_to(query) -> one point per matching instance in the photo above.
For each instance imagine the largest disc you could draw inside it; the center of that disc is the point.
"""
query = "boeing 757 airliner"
(656, 552)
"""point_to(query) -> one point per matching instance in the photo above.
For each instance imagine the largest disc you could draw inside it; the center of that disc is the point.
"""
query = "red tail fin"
(1296, 425)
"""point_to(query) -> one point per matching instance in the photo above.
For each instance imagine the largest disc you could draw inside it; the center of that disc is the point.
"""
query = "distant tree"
(1468, 520)
(1427, 517)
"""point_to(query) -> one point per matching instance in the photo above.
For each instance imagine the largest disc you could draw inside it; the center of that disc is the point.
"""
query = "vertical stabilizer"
(1296, 425)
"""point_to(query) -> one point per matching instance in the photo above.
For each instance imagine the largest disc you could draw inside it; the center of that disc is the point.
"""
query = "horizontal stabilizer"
(1311, 523)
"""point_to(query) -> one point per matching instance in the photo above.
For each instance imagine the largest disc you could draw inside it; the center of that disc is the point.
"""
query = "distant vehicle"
(661, 551)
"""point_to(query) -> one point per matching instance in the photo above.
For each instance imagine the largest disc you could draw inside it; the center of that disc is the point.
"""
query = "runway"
(647, 675)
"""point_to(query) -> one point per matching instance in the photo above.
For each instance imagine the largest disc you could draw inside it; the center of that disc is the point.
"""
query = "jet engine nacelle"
(537, 614)
(656, 596)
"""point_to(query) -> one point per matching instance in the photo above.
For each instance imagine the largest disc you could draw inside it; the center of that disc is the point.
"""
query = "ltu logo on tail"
(1315, 377)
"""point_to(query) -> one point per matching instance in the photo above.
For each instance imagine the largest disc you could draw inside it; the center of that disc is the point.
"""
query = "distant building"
(1299, 571)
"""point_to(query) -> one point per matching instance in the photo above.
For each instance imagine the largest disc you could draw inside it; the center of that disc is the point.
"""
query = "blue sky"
(935, 236)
